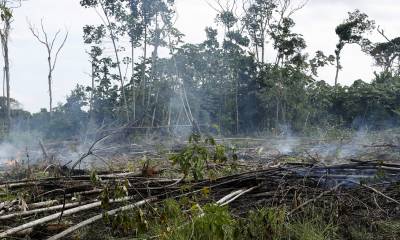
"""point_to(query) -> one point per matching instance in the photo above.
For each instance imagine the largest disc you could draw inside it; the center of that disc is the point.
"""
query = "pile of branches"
(55, 208)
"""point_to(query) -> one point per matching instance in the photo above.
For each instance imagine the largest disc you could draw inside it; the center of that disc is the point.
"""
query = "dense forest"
(227, 84)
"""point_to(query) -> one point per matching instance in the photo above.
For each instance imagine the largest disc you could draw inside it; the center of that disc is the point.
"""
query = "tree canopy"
(224, 84)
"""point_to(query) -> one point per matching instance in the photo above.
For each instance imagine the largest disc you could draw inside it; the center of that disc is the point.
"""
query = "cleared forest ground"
(338, 186)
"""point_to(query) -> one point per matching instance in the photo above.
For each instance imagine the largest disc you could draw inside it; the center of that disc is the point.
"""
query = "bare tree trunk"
(179, 115)
(263, 31)
(121, 79)
(257, 53)
(337, 67)
(112, 35)
(4, 82)
(144, 66)
(283, 109)
(169, 115)
(277, 113)
(7, 74)
(92, 92)
(49, 79)
(4, 35)
(155, 108)
(133, 80)
(263, 51)
(154, 59)
(237, 104)
(49, 44)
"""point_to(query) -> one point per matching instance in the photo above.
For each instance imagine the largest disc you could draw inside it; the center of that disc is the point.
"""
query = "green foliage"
(6, 195)
(111, 190)
(5, 12)
(186, 219)
(171, 213)
(215, 222)
(309, 231)
(194, 158)
(386, 55)
(227, 18)
(94, 178)
(387, 229)
(320, 60)
(124, 224)
(380, 230)
(224, 82)
(262, 224)
(352, 31)
(354, 27)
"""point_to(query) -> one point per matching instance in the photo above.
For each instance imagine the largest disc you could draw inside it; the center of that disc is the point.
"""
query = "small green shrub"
(214, 222)
(195, 157)
(313, 227)
(262, 224)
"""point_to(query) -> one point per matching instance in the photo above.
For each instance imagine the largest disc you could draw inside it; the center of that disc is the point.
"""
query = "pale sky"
(316, 22)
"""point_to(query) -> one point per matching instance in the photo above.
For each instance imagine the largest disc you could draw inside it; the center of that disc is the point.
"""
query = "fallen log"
(39, 210)
(273, 186)
(98, 217)
(42, 204)
(238, 195)
(56, 216)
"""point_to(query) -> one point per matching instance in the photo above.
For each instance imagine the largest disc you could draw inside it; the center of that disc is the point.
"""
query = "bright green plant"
(196, 156)
(265, 223)
(211, 222)
(193, 158)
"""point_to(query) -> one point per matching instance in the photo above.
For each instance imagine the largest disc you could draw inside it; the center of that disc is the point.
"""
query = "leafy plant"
(214, 222)
(196, 156)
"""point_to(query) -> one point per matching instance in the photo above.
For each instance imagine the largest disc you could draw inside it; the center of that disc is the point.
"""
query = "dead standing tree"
(6, 18)
(52, 53)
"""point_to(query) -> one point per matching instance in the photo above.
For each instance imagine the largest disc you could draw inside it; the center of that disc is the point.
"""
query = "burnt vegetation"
(233, 137)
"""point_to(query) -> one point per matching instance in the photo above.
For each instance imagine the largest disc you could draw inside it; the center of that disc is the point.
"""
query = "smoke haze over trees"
(225, 84)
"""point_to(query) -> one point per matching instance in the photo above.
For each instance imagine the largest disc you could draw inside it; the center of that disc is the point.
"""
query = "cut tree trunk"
(99, 217)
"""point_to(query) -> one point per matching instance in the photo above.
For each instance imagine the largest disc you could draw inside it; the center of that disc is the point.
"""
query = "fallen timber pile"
(55, 208)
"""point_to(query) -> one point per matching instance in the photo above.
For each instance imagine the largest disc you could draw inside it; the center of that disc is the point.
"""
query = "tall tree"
(352, 31)
(110, 11)
(387, 55)
(134, 29)
(232, 43)
(6, 17)
(261, 18)
(52, 54)
(95, 53)
(257, 20)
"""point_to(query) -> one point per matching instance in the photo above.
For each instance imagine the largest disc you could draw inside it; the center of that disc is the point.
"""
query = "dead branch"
(380, 193)
(39, 210)
(100, 216)
(238, 195)
(55, 216)
(315, 199)
(42, 204)
(269, 187)
(89, 152)
(45, 155)
(382, 33)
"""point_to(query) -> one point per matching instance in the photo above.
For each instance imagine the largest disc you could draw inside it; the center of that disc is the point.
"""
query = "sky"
(316, 21)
